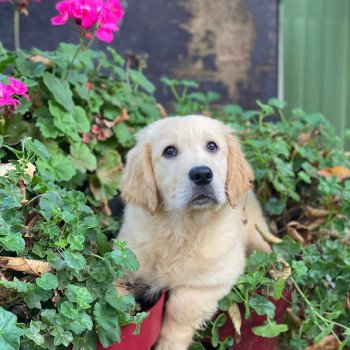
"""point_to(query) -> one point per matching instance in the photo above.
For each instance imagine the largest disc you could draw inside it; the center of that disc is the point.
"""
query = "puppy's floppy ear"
(239, 172)
(138, 186)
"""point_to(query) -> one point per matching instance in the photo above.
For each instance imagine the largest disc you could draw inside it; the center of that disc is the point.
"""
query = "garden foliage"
(67, 118)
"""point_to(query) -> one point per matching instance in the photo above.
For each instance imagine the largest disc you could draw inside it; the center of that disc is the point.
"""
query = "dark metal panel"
(229, 46)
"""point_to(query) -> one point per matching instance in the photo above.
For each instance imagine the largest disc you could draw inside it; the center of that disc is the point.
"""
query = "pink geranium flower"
(18, 88)
(100, 15)
(8, 92)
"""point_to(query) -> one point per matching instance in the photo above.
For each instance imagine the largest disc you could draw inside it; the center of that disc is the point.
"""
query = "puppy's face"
(190, 163)
(185, 162)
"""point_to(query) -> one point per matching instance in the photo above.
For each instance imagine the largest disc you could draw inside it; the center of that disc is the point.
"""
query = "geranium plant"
(84, 105)
(58, 269)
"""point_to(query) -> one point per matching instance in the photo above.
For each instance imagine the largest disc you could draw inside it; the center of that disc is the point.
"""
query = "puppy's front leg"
(187, 310)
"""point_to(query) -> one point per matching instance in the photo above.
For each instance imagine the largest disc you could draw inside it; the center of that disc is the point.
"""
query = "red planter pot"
(250, 341)
(150, 329)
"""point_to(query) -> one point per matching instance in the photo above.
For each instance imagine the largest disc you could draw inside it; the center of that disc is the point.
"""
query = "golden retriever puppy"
(189, 216)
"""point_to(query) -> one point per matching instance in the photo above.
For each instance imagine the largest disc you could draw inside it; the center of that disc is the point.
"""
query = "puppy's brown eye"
(169, 152)
(212, 146)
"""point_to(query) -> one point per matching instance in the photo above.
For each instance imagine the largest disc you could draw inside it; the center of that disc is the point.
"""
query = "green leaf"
(10, 334)
(262, 305)
(138, 319)
(278, 288)
(81, 120)
(50, 202)
(47, 281)
(288, 249)
(124, 136)
(139, 79)
(79, 295)
(76, 241)
(59, 166)
(299, 271)
(275, 206)
(1, 141)
(37, 148)
(33, 332)
(82, 158)
(81, 323)
(217, 324)
(196, 346)
(60, 91)
(13, 241)
(270, 329)
(68, 309)
(28, 68)
(16, 284)
(125, 258)
(107, 318)
(119, 302)
(74, 260)
(61, 336)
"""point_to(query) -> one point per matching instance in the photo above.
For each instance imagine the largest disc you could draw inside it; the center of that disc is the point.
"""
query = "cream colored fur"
(195, 251)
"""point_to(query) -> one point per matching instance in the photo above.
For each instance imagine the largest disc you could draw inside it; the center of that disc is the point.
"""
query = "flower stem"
(66, 73)
(316, 313)
(16, 29)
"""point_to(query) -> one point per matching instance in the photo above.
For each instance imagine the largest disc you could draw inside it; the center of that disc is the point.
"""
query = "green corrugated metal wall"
(316, 58)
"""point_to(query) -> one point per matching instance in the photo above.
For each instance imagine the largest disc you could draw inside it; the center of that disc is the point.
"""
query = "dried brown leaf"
(306, 137)
(162, 111)
(329, 342)
(312, 212)
(236, 319)
(340, 172)
(41, 59)
(32, 267)
(123, 117)
(268, 236)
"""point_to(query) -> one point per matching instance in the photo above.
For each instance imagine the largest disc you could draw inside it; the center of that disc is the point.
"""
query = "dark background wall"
(229, 46)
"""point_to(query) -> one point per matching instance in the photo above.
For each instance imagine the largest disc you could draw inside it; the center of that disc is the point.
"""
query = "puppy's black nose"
(201, 175)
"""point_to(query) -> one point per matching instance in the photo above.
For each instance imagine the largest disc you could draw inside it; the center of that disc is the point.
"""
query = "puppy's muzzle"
(201, 175)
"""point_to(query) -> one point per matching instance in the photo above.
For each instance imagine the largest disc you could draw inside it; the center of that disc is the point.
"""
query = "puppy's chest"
(167, 262)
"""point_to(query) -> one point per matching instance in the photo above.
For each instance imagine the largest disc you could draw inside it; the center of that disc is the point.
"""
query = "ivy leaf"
(9, 332)
(82, 158)
(270, 329)
(125, 258)
(299, 271)
(20, 286)
(47, 281)
(81, 323)
(74, 260)
(60, 90)
(33, 332)
(262, 305)
(76, 241)
(61, 336)
(79, 295)
(12, 241)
